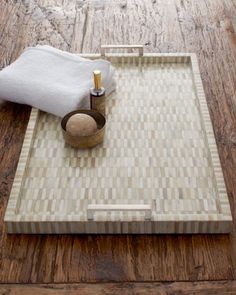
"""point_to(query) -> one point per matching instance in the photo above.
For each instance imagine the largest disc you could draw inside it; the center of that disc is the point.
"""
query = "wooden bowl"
(88, 141)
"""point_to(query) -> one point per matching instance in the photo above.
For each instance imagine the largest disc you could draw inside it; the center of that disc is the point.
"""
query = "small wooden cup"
(88, 141)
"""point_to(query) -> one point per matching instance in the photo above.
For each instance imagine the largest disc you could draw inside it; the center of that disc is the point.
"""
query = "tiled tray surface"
(159, 150)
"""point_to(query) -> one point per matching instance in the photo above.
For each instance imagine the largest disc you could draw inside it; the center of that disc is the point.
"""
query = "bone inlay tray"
(159, 158)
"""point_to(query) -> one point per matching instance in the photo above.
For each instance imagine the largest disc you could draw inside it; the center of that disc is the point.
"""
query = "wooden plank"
(181, 288)
(203, 27)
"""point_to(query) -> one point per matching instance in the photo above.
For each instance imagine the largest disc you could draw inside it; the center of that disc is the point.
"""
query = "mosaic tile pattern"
(159, 150)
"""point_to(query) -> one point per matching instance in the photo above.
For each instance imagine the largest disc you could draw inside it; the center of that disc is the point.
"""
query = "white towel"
(52, 80)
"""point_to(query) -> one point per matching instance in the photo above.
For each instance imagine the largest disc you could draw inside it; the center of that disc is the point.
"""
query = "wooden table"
(204, 27)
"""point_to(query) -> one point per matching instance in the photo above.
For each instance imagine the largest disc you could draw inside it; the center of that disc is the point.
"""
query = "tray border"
(191, 223)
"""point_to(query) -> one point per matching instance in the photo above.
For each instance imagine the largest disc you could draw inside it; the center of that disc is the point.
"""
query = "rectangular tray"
(158, 170)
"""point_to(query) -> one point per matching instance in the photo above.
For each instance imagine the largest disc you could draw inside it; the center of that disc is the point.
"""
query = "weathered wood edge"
(181, 288)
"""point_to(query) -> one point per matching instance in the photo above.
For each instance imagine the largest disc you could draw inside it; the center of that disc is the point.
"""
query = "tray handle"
(138, 47)
(92, 208)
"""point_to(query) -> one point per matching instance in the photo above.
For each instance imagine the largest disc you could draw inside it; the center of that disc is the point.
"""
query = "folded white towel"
(52, 80)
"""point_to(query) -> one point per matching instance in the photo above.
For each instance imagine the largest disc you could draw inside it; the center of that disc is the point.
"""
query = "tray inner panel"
(155, 152)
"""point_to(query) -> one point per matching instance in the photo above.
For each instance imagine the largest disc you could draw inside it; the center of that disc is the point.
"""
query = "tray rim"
(224, 212)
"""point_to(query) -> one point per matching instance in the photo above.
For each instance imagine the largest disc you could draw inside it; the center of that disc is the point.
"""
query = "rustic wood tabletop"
(130, 262)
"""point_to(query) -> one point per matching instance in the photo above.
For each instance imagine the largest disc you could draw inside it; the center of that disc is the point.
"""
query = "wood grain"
(180, 288)
(204, 27)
